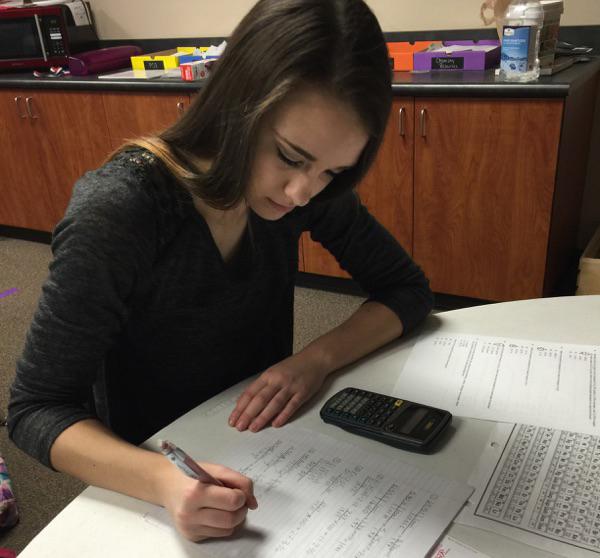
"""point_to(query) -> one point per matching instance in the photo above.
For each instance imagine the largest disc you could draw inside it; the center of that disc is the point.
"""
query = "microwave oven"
(43, 36)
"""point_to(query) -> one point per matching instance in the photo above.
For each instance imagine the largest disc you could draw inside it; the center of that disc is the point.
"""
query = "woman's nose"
(298, 190)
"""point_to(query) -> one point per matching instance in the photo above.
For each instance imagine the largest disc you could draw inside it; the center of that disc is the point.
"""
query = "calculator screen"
(410, 418)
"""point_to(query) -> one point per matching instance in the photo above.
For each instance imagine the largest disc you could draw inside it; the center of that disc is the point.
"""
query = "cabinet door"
(25, 200)
(387, 190)
(71, 138)
(131, 115)
(484, 183)
(301, 254)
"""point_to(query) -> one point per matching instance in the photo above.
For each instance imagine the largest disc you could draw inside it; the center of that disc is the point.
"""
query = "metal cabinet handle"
(180, 107)
(402, 121)
(19, 111)
(29, 105)
(423, 123)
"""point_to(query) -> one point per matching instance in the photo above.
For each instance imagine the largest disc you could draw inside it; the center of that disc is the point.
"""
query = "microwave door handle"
(86, 5)
(39, 30)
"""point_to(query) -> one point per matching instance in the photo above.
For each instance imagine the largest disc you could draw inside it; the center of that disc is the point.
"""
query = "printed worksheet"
(449, 547)
(321, 497)
(508, 380)
(539, 486)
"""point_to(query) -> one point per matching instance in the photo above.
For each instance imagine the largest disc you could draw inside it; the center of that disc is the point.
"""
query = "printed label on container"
(515, 49)
(448, 63)
(154, 65)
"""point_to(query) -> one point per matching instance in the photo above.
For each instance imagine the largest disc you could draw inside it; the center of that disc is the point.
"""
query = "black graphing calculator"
(399, 423)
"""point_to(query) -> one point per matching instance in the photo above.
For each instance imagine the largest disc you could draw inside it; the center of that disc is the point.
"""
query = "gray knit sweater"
(140, 319)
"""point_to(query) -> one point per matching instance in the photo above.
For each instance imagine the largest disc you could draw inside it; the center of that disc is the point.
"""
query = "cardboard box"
(194, 71)
(458, 55)
(190, 54)
(401, 54)
(588, 280)
(196, 54)
(185, 58)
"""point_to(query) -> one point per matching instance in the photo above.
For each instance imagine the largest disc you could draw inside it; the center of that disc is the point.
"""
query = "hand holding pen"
(212, 507)
(184, 462)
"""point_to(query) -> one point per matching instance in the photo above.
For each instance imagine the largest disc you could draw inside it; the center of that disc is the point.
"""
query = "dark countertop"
(487, 84)
(428, 84)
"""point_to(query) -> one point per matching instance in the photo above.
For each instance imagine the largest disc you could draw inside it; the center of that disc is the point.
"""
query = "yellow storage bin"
(163, 60)
(191, 50)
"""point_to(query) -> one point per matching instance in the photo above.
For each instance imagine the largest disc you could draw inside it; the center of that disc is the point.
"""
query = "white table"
(100, 523)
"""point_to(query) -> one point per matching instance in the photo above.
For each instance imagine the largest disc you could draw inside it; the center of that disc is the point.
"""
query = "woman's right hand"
(89, 451)
(200, 510)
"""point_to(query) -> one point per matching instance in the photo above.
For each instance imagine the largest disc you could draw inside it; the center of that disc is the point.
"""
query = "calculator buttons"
(366, 409)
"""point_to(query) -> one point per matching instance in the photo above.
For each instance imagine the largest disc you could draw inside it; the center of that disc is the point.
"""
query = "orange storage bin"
(401, 53)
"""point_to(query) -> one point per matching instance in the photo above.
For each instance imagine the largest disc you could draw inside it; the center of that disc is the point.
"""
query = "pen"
(185, 463)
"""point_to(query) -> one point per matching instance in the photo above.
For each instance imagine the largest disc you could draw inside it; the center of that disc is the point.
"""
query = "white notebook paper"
(321, 497)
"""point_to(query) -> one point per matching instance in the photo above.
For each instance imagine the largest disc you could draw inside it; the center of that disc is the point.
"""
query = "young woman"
(174, 266)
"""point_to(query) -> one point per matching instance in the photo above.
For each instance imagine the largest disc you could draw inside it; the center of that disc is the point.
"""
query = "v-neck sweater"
(140, 319)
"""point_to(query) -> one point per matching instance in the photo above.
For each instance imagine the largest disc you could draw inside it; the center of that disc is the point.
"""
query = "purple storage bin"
(102, 60)
(460, 60)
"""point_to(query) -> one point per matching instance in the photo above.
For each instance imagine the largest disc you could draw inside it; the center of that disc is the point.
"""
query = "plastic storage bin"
(458, 55)
(163, 60)
(401, 54)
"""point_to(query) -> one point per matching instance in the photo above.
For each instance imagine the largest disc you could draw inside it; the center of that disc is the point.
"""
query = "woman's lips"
(279, 207)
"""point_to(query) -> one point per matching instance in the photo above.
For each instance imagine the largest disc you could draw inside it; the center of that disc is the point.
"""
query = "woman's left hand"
(277, 394)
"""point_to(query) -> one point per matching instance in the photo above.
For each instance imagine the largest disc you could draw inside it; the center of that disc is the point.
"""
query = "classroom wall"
(151, 19)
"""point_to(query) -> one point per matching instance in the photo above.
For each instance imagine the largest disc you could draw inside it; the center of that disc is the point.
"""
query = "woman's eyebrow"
(302, 152)
(295, 147)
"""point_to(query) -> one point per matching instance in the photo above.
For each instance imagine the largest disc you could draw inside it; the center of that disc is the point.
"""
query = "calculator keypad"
(364, 407)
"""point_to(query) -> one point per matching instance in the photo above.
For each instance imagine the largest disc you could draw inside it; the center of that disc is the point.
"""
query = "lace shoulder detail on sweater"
(141, 157)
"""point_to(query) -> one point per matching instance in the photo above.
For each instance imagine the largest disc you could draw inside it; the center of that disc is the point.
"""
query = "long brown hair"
(279, 47)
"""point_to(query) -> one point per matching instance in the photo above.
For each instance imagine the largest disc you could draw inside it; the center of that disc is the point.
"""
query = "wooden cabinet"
(484, 183)
(484, 193)
(300, 256)
(130, 115)
(25, 200)
(71, 139)
(387, 191)
(49, 139)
